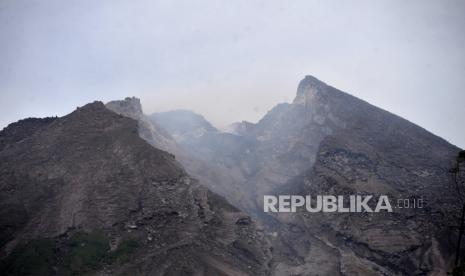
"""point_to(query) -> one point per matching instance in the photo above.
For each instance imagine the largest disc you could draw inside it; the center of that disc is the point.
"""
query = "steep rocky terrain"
(189, 132)
(156, 135)
(370, 151)
(84, 194)
(329, 142)
(87, 185)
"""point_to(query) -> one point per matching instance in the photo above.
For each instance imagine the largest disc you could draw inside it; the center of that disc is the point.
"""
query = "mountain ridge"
(328, 142)
(325, 142)
(88, 180)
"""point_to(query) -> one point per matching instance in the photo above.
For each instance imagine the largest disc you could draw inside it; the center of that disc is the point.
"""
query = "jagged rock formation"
(63, 180)
(329, 142)
(154, 134)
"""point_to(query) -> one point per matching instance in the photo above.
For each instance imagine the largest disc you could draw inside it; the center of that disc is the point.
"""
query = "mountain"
(357, 148)
(156, 135)
(109, 190)
(329, 142)
(239, 128)
(183, 125)
(85, 194)
(186, 129)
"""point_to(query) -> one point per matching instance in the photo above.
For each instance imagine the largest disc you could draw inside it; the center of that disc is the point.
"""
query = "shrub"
(35, 257)
(86, 253)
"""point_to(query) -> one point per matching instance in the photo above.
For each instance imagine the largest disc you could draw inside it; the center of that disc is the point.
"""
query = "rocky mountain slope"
(366, 150)
(329, 142)
(87, 185)
(156, 135)
(84, 194)
(186, 130)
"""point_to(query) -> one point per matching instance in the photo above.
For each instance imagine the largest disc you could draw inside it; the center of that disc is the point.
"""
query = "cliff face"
(62, 181)
(329, 142)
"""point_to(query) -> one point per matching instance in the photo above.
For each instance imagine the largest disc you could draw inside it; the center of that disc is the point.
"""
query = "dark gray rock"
(90, 171)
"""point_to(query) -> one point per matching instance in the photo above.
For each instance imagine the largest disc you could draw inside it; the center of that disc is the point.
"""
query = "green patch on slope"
(81, 254)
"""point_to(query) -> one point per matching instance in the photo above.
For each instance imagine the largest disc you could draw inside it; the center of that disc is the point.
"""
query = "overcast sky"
(233, 60)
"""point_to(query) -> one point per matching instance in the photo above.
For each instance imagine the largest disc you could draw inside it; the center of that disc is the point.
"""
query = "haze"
(233, 60)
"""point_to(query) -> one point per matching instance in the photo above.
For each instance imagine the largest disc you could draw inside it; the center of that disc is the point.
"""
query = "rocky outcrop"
(154, 134)
(89, 172)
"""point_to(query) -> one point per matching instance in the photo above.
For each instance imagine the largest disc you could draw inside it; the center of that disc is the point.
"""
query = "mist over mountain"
(169, 194)
(182, 123)
(232, 138)
(329, 142)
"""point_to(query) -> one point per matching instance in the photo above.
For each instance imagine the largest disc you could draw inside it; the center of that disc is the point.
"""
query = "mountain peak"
(311, 79)
(181, 122)
(308, 88)
(129, 107)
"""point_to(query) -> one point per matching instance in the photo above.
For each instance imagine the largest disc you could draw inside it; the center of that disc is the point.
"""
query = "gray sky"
(233, 60)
